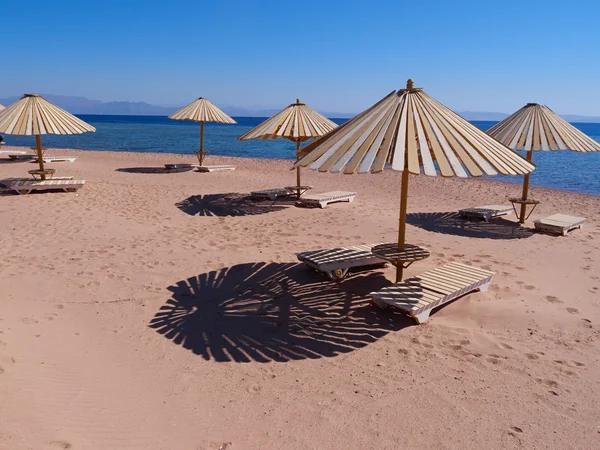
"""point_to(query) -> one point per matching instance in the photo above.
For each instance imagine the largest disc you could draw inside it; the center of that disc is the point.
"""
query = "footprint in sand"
(61, 444)
(531, 356)
(530, 287)
(553, 299)
(572, 310)
(549, 383)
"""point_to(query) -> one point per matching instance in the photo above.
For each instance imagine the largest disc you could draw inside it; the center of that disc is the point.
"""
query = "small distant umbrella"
(536, 127)
(412, 132)
(34, 115)
(297, 122)
(202, 110)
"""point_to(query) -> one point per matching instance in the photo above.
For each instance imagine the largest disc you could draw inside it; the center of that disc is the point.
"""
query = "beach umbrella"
(536, 127)
(297, 122)
(34, 115)
(411, 132)
(201, 110)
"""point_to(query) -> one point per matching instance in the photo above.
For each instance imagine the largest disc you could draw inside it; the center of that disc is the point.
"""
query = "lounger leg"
(380, 304)
(485, 287)
(338, 274)
(422, 317)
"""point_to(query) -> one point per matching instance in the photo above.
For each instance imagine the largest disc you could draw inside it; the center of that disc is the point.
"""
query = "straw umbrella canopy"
(34, 115)
(536, 127)
(201, 110)
(297, 122)
(413, 133)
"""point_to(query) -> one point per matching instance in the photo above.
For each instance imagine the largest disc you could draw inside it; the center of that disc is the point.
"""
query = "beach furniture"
(335, 262)
(28, 186)
(324, 199)
(559, 224)
(296, 122)
(486, 212)
(419, 295)
(6, 182)
(215, 168)
(21, 156)
(13, 152)
(271, 194)
(409, 131)
(181, 166)
(49, 159)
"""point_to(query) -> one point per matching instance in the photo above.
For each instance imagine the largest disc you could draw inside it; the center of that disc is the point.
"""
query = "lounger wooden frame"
(26, 187)
(215, 168)
(336, 262)
(324, 199)
(559, 224)
(419, 295)
(486, 212)
(49, 159)
(11, 181)
(21, 157)
(271, 194)
(181, 166)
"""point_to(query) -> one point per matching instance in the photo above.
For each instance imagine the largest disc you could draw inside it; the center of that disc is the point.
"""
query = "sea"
(565, 170)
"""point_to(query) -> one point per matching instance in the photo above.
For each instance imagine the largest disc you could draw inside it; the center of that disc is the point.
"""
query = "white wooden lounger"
(419, 295)
(12, 152)
(11, 181)
(20, 156)
(215, 168)
(487, 212)
(181, 166)
(324, 199)
(271, 194)
(49, 159)
(559, 224)
(335, 262)
(26, 187)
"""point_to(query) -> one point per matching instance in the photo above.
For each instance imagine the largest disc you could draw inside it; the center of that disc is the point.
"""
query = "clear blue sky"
(335, 55)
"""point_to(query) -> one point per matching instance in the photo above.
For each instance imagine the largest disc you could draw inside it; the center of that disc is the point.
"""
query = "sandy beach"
(156, 310)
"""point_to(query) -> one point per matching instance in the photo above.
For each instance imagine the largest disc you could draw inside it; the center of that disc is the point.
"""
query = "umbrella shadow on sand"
(152, 170)
(226, 205)
(273, 312)
(452, 223)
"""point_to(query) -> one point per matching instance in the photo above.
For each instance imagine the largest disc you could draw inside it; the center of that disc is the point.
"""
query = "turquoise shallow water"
(572, 171)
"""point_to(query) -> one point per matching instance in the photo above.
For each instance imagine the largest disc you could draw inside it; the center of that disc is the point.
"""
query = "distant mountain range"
(82, 105)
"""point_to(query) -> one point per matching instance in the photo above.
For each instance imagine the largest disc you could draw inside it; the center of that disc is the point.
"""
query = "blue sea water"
(572, 171)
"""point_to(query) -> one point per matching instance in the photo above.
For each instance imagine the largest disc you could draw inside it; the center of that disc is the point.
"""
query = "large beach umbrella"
(536, 127)
(413, 133)
(34, 115)
(297, 122)
(201, 110)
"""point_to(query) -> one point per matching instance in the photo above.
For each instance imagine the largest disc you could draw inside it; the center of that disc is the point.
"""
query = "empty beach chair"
(49, 159)
(7, 182)
(28, 186)
(181, 166)
(487, 212)
(335, 262)
(271, 194)
(215, 168)
(559, 224)
(419, 295)
(324, 199)
(14, 152)
(21, 156)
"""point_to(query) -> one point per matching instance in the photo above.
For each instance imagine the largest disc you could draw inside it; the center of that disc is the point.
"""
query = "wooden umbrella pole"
(525, 190)
(201, 152)
(402, 223)
(38, 146)
(298, 168)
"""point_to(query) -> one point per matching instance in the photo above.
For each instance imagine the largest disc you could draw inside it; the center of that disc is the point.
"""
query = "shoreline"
(505, 180)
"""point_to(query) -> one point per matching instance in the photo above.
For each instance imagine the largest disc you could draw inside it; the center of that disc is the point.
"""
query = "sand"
(165, 311)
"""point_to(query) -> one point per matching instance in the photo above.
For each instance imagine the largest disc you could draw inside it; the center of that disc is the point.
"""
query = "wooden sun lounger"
(335, 262)
(215, 168)
(20, 156)
(559, 224)
(13, 152)
(324, 199)
(49, 159)
(181, 166)
(418, 296)
(486, 212)
(26, 187)
(8, 181)
(271, 194)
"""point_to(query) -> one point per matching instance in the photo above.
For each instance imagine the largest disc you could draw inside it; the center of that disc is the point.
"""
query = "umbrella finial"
(410, 84)
(297, 101)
